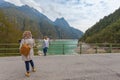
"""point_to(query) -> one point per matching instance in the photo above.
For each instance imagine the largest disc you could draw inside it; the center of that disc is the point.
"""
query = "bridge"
(64, 67)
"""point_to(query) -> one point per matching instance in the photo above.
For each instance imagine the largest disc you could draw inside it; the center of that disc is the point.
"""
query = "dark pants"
(45, 50)
(27, 65)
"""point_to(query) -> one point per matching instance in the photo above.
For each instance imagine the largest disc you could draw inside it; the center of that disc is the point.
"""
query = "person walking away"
(27, 38)
(45, 45)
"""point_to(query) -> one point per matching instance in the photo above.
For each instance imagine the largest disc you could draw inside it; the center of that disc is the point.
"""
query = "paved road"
(70, 67)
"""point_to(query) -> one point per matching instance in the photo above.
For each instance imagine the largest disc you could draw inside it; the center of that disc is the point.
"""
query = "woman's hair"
(27, 34)
(45, 37)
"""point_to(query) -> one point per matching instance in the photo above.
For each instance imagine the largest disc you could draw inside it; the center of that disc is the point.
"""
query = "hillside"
(106, 30)
(27, 18)
(8, 33)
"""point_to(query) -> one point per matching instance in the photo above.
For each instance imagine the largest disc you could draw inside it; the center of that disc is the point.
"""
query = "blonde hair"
(45, 37)
(27, 34)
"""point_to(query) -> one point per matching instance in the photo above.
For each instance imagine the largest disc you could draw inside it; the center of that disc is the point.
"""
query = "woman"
(27, 38)
(45, 45)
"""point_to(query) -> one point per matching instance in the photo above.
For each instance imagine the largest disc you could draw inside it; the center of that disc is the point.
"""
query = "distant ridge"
(65, 30)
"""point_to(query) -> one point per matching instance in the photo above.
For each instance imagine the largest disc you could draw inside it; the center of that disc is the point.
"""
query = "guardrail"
(62, 49)
(99, 48)
(7, 49)
(12, 49)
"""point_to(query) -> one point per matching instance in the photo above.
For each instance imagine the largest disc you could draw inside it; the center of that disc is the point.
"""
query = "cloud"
(31, 3)
(81, 14)
(16, 2)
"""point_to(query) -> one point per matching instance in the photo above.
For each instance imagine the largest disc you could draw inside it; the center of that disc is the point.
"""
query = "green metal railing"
(12, 49)
(86, 48)
(59, 49)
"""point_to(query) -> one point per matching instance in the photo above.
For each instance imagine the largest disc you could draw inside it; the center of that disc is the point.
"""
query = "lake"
(59, 47)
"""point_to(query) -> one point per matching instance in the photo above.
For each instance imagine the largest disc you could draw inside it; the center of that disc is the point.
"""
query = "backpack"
(25, 49)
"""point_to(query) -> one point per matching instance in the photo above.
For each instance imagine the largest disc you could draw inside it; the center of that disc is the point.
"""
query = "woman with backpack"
(28, 59)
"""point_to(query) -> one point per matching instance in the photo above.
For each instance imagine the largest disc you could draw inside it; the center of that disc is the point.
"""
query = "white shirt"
(45, 43)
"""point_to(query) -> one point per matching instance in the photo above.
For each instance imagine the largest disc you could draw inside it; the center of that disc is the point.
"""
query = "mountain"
(106, 30)
(27, 18)
(64, 30)
(61, 22)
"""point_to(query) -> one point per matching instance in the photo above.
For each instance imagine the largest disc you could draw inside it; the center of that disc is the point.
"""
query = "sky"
(80, 14)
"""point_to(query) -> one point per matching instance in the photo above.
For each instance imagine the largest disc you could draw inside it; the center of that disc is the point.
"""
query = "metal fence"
(8, 49)
(99, 48)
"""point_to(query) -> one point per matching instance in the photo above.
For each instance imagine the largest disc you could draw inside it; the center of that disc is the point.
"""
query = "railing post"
(5, 49)
(63, 50)
(110, 47)
(96, 48)
(80, 48)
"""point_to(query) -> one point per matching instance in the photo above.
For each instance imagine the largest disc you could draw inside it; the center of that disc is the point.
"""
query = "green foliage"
(22, 22)
(106, 30)
(8, 33)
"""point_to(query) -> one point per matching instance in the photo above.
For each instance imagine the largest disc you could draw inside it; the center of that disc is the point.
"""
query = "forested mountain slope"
(106, 30)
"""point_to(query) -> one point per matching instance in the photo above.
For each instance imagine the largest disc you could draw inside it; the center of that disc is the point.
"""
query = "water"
(59, 47)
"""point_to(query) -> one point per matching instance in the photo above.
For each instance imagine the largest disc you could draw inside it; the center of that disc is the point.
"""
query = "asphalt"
(65, 67)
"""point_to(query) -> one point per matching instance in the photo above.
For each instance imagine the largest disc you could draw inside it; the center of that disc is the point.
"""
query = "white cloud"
(81, 14)
(16, 2)
(33, 4)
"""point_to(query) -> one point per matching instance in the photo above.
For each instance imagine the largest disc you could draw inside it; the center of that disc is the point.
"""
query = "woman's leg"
(27, 66)
(32, 64)
(45, 51)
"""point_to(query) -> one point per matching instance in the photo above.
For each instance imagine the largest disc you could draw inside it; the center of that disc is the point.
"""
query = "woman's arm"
(21, 43)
